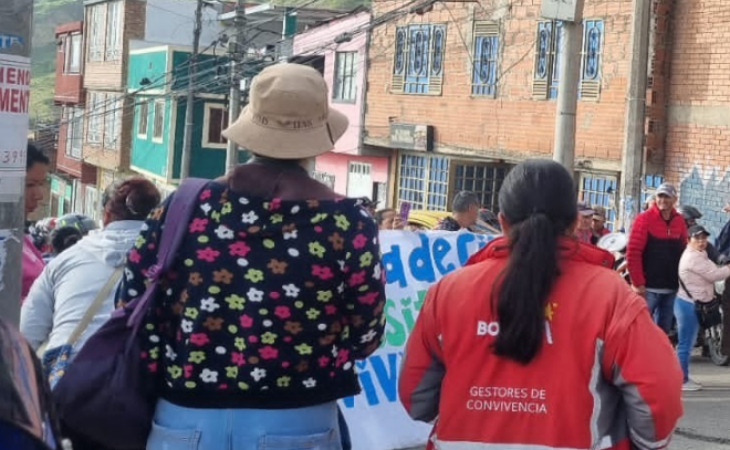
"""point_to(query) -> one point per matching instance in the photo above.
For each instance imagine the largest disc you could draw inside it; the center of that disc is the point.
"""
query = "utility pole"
(633, 150)
(235, 53)
(570, 13)
(567, 105)
(15, 23)
(187, 149)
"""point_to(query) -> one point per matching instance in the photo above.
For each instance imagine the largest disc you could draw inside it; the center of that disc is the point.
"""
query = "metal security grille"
(485, 180)
(424, 181)
(600, 190)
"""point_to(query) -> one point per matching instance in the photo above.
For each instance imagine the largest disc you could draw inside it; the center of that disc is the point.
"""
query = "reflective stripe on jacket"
(605, 376)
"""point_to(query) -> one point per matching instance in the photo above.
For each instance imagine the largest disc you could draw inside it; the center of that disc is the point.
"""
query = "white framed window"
(96, 33)
(95, 116)
(142, 116)
(74, 118)
(113, 121)
(158, 120)
(91, 202)
(345, 88)
(72, 54)
(113, 31)
(215, 121)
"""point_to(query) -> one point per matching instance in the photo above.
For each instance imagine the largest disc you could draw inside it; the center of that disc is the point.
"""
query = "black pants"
(344, 431)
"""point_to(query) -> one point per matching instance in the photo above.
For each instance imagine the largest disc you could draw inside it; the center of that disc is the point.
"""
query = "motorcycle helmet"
(82, 223)
(690, 213)
(40, 232)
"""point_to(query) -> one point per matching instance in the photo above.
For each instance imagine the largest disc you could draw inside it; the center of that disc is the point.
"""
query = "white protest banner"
(413, 262)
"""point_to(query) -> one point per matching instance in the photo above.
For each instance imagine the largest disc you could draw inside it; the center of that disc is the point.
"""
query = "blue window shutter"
(592, 57)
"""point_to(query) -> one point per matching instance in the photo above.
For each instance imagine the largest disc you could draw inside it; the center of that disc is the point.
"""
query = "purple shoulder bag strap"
(175, 225)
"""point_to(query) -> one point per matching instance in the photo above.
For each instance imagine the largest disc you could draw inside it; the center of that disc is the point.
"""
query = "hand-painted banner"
(413, 262)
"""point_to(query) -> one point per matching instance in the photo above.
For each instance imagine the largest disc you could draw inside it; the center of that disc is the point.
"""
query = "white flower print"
(335, 350)
(206, 208)
(249, 217)
(209, 304)
(342, 264)
(290, 235)
(169, 292)
(364, 213)
(347, 366)
(268, 323)
(209, 376)
(255, 295)
(220, 350)
(341, 288)
(155, 339)
(223, 232)
(309, 383)
(186, 326)
(170, 353)
(291, 290)
(377, 272)
(243, 201)
(293, 252)
(368, 337)
(258, 374)
(243, 262)
(295, 209)
(128, 275)
(132, 293)
(144, 228)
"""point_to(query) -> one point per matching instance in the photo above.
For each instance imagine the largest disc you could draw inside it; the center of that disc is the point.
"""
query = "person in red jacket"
(656, 243)
(536, 344)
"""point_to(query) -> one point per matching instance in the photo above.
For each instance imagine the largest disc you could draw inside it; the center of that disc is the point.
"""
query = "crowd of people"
(276, 289)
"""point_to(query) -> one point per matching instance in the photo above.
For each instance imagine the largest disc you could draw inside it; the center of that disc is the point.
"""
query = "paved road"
(706, 421)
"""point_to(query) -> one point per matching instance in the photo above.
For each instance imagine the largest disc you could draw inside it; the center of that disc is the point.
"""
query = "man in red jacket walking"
(658, 238)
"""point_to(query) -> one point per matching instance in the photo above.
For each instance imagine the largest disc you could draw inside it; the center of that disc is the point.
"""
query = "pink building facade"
(338, 48)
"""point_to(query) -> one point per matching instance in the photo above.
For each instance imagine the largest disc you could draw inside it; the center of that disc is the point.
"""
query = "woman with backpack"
(275, 292)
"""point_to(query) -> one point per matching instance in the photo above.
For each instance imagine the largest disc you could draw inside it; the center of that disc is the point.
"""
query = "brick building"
(72, 173)
(462, 91)
(112, 29)
(697, 155)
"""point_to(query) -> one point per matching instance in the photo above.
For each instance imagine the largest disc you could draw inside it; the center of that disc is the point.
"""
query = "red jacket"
(654, 249)
(605, 376)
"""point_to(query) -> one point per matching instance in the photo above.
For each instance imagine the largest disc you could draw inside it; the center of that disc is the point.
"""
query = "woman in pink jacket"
(697, 278)
(36, 173)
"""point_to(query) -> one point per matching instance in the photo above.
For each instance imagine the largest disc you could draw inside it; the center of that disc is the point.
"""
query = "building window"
(96, 111)
(143, 115)
(113, 31)
(96, 33)
(345, 70)
(483, 179)
(419, 59)
(592, 55)
(74, 118)
(600, 190)
(91, 202)
(215, 121)
(113, 118)
(158, 120)
(424, 181)
(547, 60)
(72, 54)
(486, 53)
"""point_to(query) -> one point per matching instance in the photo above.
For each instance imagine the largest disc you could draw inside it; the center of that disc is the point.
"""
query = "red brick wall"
(698, 140)
(513, 125)
(69, 87)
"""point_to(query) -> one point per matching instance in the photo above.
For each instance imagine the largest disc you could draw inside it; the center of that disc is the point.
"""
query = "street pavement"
(706, 421)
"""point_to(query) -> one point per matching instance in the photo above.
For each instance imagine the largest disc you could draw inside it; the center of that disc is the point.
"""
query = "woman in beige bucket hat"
(278, 288)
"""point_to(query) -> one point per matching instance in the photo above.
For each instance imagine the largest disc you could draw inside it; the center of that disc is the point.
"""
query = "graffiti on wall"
(709, 191)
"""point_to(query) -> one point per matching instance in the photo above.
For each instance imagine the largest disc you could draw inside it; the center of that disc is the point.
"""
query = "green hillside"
(47, 15)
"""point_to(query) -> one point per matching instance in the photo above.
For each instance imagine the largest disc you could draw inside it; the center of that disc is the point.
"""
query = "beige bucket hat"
(288, 115)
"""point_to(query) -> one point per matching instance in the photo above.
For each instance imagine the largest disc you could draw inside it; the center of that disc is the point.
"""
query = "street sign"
(565, 10)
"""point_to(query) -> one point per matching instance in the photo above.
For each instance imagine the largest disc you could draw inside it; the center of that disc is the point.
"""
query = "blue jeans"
(687, 326)
(661, 307)
(179, 428)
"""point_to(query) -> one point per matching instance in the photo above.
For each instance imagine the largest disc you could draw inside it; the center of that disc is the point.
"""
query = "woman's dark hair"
(64, 238)
(35, 156)
(538, 201)
(130, 199)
